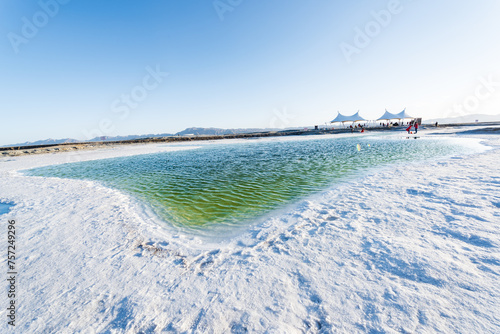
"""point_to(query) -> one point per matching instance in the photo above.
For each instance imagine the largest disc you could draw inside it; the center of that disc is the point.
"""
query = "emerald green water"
(232, 183)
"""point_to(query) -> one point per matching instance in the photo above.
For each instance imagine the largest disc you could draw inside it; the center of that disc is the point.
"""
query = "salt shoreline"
(74, 147)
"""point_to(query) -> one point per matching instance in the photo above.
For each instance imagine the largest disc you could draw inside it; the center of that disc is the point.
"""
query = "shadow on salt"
(5, 207)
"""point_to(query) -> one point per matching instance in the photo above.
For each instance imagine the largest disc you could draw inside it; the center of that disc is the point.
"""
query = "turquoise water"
(233, 183)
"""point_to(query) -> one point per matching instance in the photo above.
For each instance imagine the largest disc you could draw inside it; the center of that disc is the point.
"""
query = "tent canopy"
(387, 116)
(343, 118)
(356, 117)
(403, 115)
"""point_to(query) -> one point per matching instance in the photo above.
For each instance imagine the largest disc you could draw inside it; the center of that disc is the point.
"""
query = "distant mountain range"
(217, 131)
(49, 141)
(463, 119)
(130, 137)
(186, 132)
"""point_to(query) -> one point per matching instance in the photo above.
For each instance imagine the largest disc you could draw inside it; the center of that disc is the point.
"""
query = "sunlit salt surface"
(230, 184)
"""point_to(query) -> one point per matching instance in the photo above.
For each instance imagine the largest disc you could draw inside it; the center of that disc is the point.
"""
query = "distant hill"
(130, 137)
(186, 132)
(217, 131)
(49, 141)
(464, 119)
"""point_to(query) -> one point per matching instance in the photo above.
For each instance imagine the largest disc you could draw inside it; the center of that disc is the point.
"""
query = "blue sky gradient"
(260, 63)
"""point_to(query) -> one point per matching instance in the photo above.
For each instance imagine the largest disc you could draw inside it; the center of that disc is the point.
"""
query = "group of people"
(357, 126)
(414, 124)
(390, 124)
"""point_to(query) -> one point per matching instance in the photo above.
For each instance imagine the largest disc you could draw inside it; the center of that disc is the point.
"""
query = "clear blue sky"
(78, 68)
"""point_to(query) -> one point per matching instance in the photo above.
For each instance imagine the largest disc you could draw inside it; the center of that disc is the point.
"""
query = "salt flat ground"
(405, 249)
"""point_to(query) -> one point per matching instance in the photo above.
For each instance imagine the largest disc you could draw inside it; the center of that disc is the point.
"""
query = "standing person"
(416, 127)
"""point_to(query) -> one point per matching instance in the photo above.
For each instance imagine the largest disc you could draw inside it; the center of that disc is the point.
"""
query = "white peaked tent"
(403, 115)
(356, 117)
(343, 118)
(387, 116)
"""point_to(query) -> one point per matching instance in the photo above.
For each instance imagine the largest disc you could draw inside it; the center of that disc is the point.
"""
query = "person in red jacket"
(416, 127)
